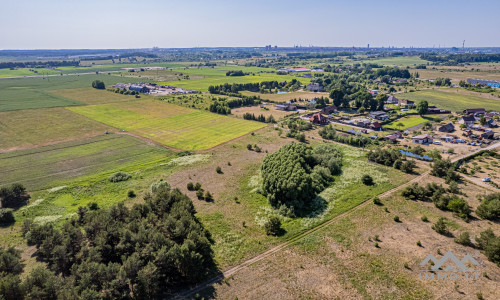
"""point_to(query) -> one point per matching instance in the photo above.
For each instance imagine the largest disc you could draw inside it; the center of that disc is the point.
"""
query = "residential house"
(392, 100)
(328, 110)
(362, 122)
(446, 128)
(474, 111)
(467, 120)
(373, 92)
(354, 132)
(314, 87)
(285, 107)
(422, 139)
(391, 137)
(406, 102)
(379, 115)
(318, 119)
(375, 126)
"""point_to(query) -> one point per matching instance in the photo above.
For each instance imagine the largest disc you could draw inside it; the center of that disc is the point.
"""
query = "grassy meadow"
(170, 125)
(451, 101)
(408, 121)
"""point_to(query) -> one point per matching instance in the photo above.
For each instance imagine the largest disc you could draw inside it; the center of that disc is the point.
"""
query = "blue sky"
(65, 24)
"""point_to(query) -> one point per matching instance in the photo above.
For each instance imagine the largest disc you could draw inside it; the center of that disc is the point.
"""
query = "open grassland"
(368, 254)
(401, 61)
(28, 93)
(451, 101)
(89, 95)
(236, 217)
(45, 126)
(408, 121)
(457, 75)
(25, 72)
(285, 97)
(171, 125)
(59, 164)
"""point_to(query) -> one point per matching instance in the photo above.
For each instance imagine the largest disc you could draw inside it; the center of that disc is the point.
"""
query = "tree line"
(39, 64)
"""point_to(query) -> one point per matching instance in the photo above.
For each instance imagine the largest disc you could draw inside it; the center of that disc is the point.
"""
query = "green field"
(63, 163)
(25, 72)
(28, 93)
(39, 127)
(217, 76)
(408, 122)
(451, 101)
(168, 124)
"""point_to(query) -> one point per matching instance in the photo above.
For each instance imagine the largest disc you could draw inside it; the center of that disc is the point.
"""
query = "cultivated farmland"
(59, 164)
(53, 125)
(29, 93)
(170, 125)
(451, 101)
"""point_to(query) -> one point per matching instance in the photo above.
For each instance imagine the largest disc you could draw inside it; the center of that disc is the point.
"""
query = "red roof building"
(318, 119)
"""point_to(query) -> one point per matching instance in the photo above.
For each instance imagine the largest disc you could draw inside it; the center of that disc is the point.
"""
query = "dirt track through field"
(200, 287)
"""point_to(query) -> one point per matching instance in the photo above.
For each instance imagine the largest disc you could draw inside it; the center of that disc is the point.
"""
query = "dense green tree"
(337, 95)
(97, 84)
(292, 176)
(422, 107)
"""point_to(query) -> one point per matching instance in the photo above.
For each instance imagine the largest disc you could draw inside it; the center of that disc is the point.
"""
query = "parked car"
(487, 179)
(437, 143)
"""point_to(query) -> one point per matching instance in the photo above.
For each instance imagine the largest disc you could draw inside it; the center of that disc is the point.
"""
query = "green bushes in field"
(13, 196)
(97, 84)
(490, 207)
(6, 216)
(119, 176)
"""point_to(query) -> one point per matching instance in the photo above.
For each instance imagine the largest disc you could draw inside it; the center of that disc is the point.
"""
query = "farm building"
(138, 88)
(447, 128)
(328, 110)
(437, 110)
(379, 115)
(285, 107)
(314, 87)
(467, 120)
(492, 83)
(318, 119)
(475, 111)
(422, 139)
